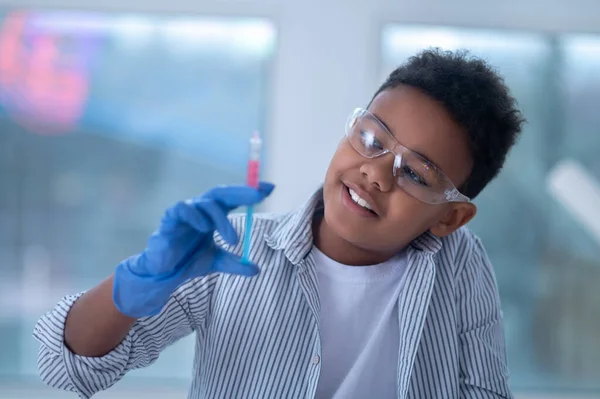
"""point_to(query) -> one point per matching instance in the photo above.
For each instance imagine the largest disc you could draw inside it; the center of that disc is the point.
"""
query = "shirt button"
(316, 359)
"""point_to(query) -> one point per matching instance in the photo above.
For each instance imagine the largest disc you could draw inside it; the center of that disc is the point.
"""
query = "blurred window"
(540, 220)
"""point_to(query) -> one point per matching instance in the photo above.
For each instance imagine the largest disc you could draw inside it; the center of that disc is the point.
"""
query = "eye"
(369, 141)
(413, 176)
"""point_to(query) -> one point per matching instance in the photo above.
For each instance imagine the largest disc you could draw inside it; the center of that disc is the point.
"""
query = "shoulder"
(463, 251)
(475, 285)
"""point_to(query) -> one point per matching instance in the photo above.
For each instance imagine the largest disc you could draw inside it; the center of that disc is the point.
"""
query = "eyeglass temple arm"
(455, 196)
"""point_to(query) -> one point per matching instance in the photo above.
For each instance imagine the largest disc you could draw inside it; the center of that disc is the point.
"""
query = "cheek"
(344, 159)
(406, 214)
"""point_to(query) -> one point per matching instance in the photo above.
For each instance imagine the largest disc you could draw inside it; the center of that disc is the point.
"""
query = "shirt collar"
(294, 235)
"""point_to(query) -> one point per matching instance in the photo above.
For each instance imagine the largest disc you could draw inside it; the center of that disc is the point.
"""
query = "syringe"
(252, 181)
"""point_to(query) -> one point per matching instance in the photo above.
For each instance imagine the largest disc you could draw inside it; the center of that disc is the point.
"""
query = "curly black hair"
(476, 96)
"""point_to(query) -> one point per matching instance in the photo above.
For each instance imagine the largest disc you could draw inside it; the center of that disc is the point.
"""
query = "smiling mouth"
(360, 201)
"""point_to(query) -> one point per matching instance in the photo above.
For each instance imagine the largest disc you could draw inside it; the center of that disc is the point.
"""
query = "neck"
(341, 250)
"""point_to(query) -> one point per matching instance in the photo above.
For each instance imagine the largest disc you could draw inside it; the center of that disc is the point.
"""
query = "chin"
(359, 240)
(348, 225)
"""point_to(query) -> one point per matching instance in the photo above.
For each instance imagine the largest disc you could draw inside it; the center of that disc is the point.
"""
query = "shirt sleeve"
(60, 368)
(483, 364)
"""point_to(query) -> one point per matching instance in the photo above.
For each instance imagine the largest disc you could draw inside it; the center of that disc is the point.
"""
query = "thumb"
(225, 262)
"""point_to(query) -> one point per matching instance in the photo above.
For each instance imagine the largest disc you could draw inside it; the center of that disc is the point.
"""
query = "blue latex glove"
(183, 248)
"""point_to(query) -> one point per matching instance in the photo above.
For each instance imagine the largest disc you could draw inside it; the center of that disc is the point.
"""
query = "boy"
(373, 288)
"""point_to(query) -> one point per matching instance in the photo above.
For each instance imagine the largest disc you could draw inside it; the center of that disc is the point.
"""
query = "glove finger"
(186, 212)
(218, 217)
(265, 188)
(235, 196)
(227, 263)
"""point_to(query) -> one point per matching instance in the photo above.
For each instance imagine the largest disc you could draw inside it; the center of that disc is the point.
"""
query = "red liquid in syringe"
(254, 161)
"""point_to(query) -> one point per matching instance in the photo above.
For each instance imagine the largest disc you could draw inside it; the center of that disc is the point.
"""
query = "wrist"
(136, 296)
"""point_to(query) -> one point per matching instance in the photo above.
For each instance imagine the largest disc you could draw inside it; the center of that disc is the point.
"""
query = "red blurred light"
(38, 87)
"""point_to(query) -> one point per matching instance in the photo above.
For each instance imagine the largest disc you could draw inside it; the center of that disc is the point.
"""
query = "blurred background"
(111, 111)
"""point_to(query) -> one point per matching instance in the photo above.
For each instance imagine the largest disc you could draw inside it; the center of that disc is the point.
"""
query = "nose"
(379, 172)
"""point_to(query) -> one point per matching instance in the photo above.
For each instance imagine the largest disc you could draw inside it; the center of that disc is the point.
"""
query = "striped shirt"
(259, 337)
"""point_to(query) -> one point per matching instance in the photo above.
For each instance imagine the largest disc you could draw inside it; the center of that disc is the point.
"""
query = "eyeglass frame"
(452, 194)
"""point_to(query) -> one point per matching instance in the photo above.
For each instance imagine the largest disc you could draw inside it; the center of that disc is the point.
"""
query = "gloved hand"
(183, 248)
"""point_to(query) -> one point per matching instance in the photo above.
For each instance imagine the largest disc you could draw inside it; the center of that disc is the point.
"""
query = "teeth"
(359, 200)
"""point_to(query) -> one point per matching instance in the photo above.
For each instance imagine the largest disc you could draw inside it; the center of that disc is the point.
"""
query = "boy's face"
(423, 125)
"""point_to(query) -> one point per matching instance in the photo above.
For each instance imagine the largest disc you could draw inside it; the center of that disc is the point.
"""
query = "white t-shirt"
(359, 328)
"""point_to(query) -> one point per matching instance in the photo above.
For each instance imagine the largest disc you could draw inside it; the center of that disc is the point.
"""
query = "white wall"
(327, 61)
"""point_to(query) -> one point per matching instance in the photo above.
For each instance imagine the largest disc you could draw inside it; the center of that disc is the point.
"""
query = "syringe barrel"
(254, 161)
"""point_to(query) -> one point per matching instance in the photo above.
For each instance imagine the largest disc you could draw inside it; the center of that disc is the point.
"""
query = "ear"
(458, 214)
